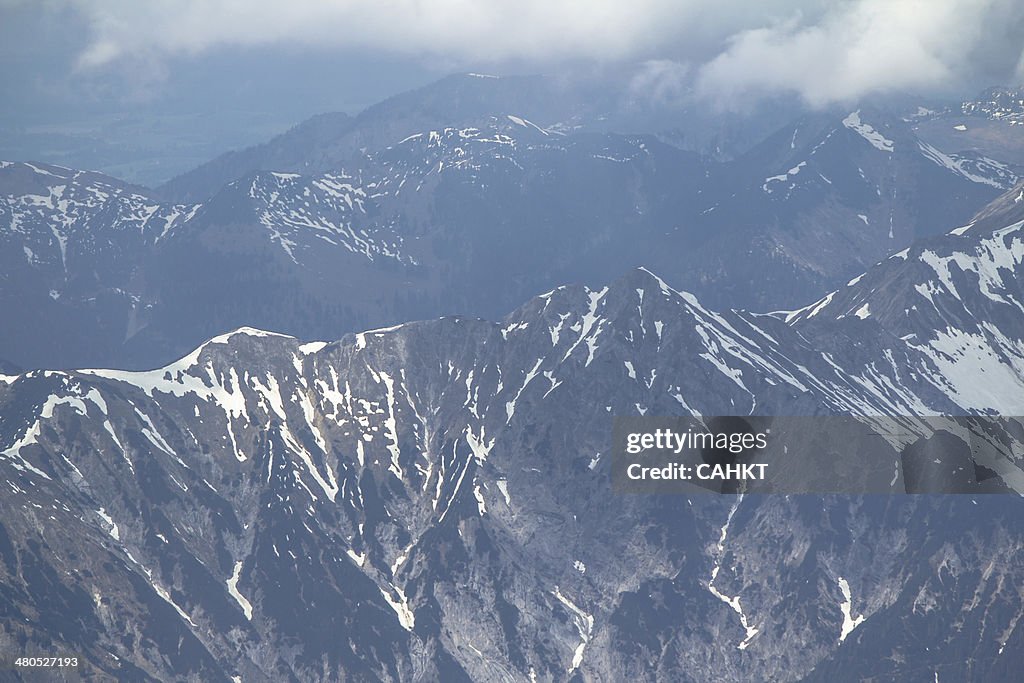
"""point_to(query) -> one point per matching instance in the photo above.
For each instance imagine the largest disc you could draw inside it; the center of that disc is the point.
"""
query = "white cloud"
(459, 29)
(865, 46)
(824, 51)
(662, 81)
(470, 30)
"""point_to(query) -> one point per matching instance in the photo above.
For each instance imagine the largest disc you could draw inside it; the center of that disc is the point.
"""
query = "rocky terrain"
(450, 200)
(432, 501)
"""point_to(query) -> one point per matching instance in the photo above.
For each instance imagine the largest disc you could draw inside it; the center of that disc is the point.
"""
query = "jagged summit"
(445, 481)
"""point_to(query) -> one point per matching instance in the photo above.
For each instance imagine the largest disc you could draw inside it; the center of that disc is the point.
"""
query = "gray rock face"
(432, 501)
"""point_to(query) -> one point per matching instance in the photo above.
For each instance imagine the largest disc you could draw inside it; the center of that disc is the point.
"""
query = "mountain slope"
(459, 219)
(956, 298)
(987, 125)
(432, 501)
(73, 253)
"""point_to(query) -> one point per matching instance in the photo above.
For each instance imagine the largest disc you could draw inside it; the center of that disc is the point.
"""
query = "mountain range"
(304, 414)
(342, 225)
(431, 501)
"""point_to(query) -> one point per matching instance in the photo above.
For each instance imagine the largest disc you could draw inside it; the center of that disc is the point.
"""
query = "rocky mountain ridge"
(431, 501)
(411, 230)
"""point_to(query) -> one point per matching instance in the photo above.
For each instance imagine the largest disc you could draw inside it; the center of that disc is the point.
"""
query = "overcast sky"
(62, 60)
(824, 52)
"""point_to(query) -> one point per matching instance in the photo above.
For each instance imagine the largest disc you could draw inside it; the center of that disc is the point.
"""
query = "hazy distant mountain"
(467, 220)
(329, 142)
